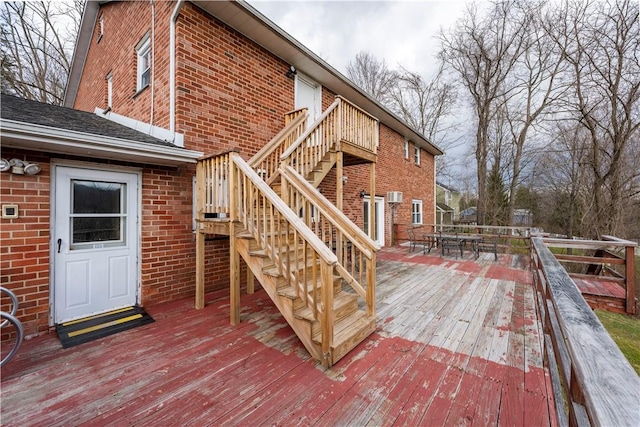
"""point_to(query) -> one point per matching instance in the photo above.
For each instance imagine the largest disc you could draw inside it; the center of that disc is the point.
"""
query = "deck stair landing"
(315, 264)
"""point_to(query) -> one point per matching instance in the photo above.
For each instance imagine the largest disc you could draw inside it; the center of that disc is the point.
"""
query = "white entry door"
(308, 94)
(95, 242)
(378, 230)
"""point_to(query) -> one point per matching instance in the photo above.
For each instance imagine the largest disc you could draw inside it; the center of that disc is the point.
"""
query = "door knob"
(59, 244)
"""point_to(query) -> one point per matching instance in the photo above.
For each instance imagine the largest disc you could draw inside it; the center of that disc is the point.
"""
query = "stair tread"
(340, 300)
(345, 328)
(290, 292)
(273, 271)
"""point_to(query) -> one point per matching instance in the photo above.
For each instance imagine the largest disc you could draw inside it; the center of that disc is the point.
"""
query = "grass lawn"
(625, 331)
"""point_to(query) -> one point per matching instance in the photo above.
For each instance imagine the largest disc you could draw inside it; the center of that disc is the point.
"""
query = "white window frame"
(143, 52)
(416, 154)
(416, 211)
(406, 148)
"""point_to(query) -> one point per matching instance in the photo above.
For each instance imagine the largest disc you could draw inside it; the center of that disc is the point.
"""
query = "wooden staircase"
(315, 264)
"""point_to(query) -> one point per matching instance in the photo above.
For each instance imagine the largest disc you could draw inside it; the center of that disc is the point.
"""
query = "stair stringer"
(285, 305)
(322, 168)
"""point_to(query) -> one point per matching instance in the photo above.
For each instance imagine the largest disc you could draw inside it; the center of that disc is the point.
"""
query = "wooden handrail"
(351, 104)
(587, 244)
(354, 249)
(627, 261)
(598, 382)
(328, 209)
(287, 214)
(267, 159)
(287, 153)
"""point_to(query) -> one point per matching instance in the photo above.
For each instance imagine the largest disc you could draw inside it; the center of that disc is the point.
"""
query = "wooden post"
(200, 194)
(199, 267)
(630, 261)
(326, 277)
(339, 179)
(234, 276)
(233, 188)
(371, 285)
(250, 280)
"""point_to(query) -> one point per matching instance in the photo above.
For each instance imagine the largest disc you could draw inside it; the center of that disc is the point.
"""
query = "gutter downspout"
(153, 62)
(172, 68)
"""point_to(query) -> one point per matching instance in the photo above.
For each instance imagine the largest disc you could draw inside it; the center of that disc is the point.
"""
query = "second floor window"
(144, 63)
(406, 148)
(416, 212)
(416, 155)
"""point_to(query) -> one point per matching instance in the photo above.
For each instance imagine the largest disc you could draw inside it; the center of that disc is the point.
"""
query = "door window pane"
(96, 197)
(98, 214)
(96, 229)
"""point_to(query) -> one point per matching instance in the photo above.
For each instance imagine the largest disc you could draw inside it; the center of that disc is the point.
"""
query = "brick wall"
(24, 251)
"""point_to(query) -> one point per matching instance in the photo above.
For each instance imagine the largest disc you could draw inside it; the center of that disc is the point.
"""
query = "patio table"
(460, 239)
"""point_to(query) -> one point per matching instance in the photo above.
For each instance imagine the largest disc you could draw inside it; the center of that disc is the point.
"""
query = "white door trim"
(55, 163)
(379, 219)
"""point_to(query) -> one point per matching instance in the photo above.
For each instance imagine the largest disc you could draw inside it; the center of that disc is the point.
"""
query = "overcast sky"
(400, 32)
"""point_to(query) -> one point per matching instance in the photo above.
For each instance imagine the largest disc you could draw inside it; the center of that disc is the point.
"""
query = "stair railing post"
(371, 285)
(326, 277)
(200, 194)
(339, 126)
(233, 187)
(630, 285)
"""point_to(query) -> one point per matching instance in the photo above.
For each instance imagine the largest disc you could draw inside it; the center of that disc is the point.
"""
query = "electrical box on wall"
(9, 211)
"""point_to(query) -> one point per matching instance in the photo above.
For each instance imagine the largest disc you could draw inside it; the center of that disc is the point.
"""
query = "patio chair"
(429, 242)
(449, 242)
(489, 244)
(412, 239)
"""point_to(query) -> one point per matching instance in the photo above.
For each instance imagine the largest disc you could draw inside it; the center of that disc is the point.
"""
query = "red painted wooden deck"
(458, 342)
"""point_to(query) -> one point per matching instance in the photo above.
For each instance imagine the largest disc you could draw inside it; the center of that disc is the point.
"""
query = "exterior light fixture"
(291, 72)
(362, 194)
(19, 167)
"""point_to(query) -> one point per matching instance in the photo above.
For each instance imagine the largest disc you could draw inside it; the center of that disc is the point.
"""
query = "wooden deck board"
(458, 343)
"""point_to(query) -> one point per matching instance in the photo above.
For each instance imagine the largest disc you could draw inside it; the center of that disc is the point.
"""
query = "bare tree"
(483, 52)
(601, 42)
(561, 176)
(372, 75)
(36, 44)
(537, 86)
(423, 104)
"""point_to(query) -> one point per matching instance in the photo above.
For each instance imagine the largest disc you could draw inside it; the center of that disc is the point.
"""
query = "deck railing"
(609, 260)
(342, 122)
(357, 127)
(267, 160)
(212, 185)
(588, 370)
(511, 239)
(323, 135)
(356, 252)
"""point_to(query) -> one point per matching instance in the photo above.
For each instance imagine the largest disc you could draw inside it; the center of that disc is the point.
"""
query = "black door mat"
(91, 328)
